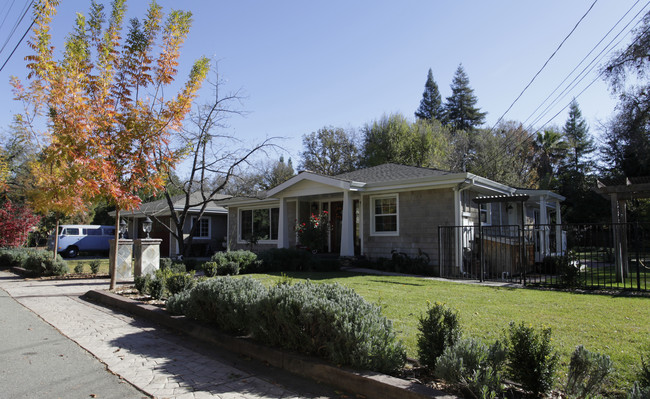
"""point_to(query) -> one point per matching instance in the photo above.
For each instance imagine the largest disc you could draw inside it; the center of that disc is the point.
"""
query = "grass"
(103, 267)
(617, 326)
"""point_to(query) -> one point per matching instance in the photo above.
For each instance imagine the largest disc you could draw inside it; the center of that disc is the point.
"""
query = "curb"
(367, 383)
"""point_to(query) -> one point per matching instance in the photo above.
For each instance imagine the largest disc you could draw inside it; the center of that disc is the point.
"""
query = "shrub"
(229, 269)
(165, 263)
(210, 269)
(330, 321)
(246, 260)
(177, 267)
(176, 303)
(142, 283)
(14, 257)
(587, 372)
(94, 266)
(565, 267)
(402, 263)
(79, 268)
(223, 301)
(156, 286)
(639, 392)
(192, 264)
(473, 367)
(438, 329)
(41, 263)
(178, 282)
(531, 360)
(285, 259)
(324, 265)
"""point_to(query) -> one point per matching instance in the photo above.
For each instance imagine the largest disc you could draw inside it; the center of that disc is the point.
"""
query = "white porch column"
(347, 228)
(543, 221)
(283, 229)
(458, 233)
(558, 229)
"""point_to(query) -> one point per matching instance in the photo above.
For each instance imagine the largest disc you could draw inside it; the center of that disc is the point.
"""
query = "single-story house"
(212, 231)
(382, 208)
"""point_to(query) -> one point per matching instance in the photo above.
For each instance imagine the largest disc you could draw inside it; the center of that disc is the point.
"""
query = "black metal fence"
(589, 256)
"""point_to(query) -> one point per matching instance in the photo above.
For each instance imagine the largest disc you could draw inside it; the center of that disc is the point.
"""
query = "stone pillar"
(124, 258)
(147, 256)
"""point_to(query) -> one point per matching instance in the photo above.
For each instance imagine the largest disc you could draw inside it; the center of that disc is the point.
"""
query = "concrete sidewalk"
(156, 361)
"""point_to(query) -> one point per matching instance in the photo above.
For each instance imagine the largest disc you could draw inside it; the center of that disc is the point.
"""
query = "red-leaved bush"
(15, 223)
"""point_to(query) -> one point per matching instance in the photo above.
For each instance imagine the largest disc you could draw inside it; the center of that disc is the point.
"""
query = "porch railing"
(589, 256)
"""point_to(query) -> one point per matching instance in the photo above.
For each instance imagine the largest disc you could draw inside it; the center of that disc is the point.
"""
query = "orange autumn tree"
(109, 119)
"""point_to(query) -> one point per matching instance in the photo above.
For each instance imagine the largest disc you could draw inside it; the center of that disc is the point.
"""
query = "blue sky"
(307, 64)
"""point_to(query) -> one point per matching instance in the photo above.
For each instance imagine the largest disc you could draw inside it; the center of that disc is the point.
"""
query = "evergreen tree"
(461, 112)
(580, 144)
(431, 103)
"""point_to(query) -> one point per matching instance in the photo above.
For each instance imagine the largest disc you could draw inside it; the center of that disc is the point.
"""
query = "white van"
(74, 238)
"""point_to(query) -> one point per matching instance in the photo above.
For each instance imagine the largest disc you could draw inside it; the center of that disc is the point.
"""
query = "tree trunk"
(113, 264)
(56, 239)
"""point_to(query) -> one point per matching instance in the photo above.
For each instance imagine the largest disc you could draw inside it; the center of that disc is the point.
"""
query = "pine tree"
(461, 112)
(580, 144)
(431, 103)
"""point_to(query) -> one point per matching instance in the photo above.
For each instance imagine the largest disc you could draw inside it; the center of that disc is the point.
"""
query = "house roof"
(160, 207)
(390, 172)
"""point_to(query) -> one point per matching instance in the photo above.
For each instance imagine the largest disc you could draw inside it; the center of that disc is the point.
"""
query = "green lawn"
(614, 325)
(103, 268)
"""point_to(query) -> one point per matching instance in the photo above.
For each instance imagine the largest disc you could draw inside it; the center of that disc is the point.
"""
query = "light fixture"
(123, 228)
(146, 226)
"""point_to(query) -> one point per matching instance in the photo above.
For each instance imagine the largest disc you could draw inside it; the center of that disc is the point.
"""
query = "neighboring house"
(383, 208)
(211, 234)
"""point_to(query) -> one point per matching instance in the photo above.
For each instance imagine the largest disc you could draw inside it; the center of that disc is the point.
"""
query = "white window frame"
(373, 215)
(209, 221)
(241, 240)
(488, 213)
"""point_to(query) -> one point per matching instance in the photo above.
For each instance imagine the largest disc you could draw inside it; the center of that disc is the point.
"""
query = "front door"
(336, 216)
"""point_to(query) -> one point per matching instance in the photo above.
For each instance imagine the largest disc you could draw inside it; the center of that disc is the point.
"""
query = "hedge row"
(327, 320)
(38, 261)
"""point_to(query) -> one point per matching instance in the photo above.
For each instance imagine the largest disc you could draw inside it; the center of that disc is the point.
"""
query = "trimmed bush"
(179, 282)
(473, 367)
(228, 269)
(330, 321)
(531, 359)
(210, 269)
(246, 260)
(41, 263)
(587, 372)
(94, 266)
(438, 329)
(226, 302)
(142, 283)
(79, 268)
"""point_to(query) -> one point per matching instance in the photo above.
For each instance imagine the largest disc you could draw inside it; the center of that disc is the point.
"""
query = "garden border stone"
(369, 384)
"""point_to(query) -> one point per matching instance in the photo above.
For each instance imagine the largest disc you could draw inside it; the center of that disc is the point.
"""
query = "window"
(485, 214)
(385, 220)
(203, 229)
(71, 231)
(92, 232)
(259, 223)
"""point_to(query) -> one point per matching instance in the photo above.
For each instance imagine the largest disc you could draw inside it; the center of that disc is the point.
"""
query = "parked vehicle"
(75, 238)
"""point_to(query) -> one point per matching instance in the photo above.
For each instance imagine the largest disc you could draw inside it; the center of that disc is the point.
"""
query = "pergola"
(618, 191)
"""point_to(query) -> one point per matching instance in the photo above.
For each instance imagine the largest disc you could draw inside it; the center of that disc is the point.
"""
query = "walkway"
(156, 361)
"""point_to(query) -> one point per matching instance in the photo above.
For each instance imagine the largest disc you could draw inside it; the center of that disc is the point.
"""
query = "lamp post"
(123, 228)
(146, 226)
